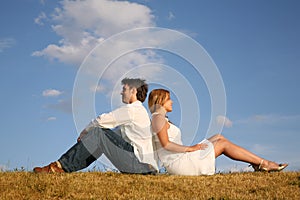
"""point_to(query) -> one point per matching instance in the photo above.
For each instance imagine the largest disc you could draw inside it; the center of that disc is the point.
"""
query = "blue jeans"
(100, 141)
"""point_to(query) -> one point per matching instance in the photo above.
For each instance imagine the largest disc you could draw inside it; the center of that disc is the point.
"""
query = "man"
(128, 147)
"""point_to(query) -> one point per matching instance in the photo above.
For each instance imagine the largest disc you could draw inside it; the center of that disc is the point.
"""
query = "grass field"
(99, 185)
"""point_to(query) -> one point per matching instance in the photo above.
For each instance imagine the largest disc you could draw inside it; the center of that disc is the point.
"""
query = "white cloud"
(43, 2)
(6, 43)
(40, 18)
(98, 88)
(63, 105)
(51, 118)
(171, 16)
(83, 24)
(269, 119)
(51, 93)
(224, 120)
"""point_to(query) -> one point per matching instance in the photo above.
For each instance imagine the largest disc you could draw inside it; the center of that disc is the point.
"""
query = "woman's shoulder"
(158, 122)
(158, 117)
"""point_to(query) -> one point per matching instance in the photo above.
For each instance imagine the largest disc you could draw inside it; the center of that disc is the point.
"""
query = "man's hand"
(83, 132)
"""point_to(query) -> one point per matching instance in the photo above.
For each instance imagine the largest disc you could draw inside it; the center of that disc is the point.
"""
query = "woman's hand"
(196, 147)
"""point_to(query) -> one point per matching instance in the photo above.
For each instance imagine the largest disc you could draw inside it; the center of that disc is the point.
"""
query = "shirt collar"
(136, 103)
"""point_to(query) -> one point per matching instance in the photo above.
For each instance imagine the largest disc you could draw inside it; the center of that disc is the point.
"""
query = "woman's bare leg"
(235, 152)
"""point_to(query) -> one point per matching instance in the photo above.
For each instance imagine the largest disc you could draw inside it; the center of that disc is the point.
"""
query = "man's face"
(127, 94)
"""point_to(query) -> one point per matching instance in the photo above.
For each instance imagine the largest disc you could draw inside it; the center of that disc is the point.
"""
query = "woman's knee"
(216, 137)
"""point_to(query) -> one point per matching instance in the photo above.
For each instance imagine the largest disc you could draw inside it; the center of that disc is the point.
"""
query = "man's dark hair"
(140, 85)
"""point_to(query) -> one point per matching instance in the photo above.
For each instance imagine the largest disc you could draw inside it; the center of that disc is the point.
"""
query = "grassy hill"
(99, 185)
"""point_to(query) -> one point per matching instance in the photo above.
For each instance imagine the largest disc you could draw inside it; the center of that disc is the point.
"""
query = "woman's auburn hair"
(157, 98)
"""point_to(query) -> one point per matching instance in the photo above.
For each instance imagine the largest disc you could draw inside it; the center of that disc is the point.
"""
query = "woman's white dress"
(201, 162)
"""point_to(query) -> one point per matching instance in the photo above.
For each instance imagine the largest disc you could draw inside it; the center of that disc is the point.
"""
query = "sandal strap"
(260, 164)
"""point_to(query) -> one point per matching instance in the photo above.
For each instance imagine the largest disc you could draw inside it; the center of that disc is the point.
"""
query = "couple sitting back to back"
(130, 147)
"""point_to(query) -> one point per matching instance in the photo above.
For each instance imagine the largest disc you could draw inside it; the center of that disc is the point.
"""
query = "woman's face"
(168, 104)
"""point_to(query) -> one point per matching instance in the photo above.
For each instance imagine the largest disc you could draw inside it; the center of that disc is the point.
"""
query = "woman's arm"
(160, 126)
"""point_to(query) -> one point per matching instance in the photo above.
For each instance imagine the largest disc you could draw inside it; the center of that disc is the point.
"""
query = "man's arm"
(110, 120)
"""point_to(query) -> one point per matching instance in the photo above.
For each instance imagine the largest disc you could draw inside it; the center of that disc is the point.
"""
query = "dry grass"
(98, 185)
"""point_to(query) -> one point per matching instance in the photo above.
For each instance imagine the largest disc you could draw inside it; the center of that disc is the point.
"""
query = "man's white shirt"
(134, 124)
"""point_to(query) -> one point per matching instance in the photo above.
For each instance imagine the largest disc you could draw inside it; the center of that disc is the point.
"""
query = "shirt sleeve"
(120, 116)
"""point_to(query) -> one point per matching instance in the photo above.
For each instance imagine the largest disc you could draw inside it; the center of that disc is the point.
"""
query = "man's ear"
(133, 90)
(133, 93)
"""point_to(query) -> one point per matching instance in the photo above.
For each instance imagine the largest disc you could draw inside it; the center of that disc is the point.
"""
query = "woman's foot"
(269, 166)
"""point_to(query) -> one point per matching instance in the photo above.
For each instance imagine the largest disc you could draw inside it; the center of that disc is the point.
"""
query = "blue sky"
(254, 44)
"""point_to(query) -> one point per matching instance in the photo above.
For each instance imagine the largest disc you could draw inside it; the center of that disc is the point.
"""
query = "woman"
(199, 158)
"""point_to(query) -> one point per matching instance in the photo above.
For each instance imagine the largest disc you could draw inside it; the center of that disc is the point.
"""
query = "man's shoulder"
(136, 106)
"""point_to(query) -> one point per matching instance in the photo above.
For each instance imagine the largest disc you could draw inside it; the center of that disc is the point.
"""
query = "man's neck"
(132, 101)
